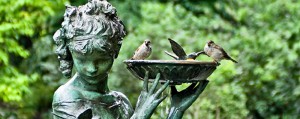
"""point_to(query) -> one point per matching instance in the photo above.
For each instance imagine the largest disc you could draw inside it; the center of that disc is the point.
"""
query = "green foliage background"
(263, 35)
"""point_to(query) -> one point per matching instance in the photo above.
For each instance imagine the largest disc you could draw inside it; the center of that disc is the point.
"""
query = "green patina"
(90, 39)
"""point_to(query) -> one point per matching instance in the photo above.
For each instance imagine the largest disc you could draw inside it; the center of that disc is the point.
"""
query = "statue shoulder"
(67, 101)
(66, 93)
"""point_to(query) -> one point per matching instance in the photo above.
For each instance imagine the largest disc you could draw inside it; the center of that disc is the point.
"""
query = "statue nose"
(92, 70)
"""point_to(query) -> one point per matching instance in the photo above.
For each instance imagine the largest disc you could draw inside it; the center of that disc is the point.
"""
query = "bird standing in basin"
(216, 52)
(180, 53)
(143, 51)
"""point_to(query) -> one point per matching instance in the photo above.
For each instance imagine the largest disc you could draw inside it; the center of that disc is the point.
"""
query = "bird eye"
(209, 43)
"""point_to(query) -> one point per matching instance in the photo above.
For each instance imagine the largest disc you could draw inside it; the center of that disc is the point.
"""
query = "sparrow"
(143, 51)
(180, 53)
(216, 52)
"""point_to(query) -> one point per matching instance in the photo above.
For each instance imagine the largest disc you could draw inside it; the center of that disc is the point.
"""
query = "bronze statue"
(90, 39)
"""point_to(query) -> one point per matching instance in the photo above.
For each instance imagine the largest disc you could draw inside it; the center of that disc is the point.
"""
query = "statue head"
(92, 31)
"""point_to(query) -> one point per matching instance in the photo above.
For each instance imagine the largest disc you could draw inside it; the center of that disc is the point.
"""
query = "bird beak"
(209, 42)
(147, 43)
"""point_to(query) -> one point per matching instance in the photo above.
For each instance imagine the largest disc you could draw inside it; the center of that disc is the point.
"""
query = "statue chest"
(108, 106)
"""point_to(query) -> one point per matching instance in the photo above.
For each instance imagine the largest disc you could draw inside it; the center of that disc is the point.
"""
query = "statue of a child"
(90, 38)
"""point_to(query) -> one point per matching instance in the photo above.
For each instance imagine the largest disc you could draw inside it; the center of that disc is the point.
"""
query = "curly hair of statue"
(93, 26)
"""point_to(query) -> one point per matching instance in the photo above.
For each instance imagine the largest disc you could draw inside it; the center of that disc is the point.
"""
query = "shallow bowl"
(177, 71)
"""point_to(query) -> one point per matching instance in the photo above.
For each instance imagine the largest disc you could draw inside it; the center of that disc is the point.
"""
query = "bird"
(194, 55)
(143, 51)
(180, 53)
(216, 52)
(191, 56)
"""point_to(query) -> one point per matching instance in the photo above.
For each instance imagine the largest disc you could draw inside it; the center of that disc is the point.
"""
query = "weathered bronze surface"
(177, 71)
(89, 40)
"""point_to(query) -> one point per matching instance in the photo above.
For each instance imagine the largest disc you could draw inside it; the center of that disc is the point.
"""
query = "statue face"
(93, 26)
(94, 65)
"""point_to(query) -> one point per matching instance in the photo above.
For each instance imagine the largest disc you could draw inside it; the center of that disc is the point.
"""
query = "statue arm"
(181, 101)
(175, 113)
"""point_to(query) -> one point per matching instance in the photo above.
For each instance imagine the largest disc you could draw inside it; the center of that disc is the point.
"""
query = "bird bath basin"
(177, 71)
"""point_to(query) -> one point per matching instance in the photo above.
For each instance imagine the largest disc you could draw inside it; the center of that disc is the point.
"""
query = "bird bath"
(177, 71)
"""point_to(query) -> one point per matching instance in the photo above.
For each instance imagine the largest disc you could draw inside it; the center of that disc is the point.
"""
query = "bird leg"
(206, 54)
(215, 61)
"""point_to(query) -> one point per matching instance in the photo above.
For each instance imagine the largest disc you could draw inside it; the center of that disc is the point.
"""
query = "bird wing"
(177, 49)
(226, 56)
(172, 55)
(135, 52)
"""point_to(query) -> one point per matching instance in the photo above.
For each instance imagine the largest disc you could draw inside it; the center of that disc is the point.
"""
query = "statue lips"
(93, 74)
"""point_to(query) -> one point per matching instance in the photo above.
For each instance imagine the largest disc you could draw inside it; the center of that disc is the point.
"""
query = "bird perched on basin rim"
(143, 51)
(216, 52)
(180, 53)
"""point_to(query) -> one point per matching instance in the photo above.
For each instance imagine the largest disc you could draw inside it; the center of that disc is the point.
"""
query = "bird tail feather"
(233, 60)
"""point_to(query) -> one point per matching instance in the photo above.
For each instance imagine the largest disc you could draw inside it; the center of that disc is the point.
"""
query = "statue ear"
(87, 114)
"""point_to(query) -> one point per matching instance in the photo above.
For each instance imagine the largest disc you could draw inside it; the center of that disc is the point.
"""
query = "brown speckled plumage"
(216, 52)
(143, 51)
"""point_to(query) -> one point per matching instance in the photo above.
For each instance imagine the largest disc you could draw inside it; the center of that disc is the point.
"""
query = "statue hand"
(149, 99)
(181, 101)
